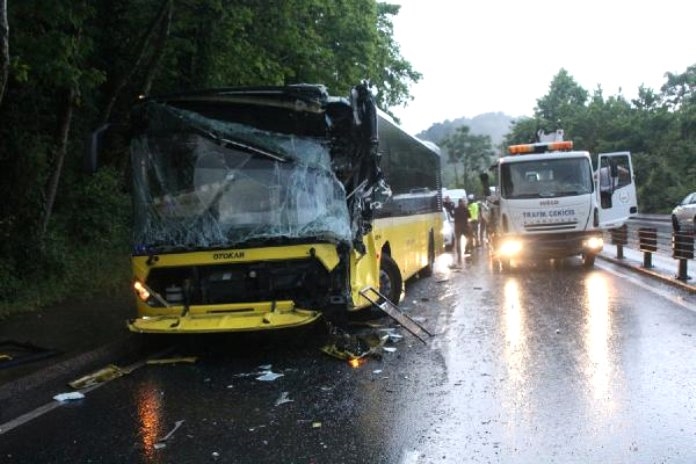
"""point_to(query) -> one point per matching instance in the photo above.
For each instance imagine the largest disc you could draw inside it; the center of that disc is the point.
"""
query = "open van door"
(616, 189)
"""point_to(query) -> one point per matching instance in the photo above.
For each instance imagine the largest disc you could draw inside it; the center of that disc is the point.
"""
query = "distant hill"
(495, 125)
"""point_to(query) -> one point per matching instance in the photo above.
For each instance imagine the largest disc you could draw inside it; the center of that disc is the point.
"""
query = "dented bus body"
(270, 207)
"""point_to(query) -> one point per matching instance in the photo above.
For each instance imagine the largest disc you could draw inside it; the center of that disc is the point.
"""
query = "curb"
(637, 267)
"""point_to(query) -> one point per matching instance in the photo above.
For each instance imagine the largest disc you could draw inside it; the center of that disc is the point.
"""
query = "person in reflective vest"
(474, 232)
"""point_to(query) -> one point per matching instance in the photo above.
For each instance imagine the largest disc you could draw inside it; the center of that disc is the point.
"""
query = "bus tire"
(588, 259)
(390, 281)
(427, 271)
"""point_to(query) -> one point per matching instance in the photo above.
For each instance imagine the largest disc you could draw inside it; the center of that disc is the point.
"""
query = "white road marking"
(676, 299)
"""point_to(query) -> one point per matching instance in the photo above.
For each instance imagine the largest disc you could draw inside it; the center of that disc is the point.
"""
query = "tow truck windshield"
(546, 178)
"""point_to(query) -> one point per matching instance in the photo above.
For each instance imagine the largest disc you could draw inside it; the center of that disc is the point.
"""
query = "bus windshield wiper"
(242, 146)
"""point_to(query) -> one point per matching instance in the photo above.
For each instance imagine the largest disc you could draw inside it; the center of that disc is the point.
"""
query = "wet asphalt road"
(547, 363)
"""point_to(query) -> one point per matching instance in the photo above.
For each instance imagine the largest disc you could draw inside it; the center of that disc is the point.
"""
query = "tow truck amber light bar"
(527, 148)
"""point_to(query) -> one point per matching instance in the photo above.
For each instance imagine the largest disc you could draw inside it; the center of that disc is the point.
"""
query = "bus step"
(382, 303)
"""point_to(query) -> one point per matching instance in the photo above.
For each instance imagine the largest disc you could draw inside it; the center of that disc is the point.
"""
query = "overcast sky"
(485, 56)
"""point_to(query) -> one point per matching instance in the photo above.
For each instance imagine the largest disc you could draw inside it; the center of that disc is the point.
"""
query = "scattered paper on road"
(283, 398)
(69, 396)
(269, 376)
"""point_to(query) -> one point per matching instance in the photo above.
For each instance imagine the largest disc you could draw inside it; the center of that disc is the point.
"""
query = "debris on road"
(283, 398)
(354, 348)
(14, 353)
(105, 374)
(268, 376)
(69, 396)
(161, 442)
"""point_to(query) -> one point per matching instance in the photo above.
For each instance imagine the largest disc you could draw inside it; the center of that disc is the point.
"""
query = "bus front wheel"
(390, 279)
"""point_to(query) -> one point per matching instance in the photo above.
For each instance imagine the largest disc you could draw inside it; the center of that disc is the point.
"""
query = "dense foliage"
(70, 67)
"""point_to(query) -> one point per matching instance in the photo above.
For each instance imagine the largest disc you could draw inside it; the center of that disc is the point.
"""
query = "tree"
(562, 105)
(4, 48)
(473, 152)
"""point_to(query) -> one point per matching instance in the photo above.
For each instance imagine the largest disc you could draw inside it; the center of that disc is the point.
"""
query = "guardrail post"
(683, 250)
(619, 237)
(647, 238)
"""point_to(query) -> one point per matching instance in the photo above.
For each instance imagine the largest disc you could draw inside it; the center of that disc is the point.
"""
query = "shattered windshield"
(203, 183)
(546, 178)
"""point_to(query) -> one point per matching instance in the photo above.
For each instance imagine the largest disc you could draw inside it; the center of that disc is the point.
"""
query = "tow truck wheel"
(588, 259)
(390, 279)
(504, 264)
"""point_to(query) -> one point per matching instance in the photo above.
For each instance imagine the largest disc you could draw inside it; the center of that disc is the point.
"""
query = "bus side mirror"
(93, 147)
(103, 139)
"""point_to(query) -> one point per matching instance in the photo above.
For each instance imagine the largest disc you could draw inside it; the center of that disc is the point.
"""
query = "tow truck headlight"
(594, 243)
(510, 248)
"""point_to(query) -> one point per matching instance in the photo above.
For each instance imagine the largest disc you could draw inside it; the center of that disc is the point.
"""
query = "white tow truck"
(549, 203)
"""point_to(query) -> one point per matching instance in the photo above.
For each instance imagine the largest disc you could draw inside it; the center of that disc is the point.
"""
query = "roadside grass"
(89, 272)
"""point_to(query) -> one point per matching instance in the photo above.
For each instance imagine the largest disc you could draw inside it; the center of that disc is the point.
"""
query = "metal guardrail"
(653, 234)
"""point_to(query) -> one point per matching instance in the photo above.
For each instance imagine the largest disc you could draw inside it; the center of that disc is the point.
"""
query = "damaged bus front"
(254, 208)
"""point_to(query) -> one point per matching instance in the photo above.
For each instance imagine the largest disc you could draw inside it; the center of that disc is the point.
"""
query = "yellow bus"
(270, 207)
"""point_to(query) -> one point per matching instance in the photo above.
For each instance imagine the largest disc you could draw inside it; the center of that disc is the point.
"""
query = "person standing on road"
(461, 227)
(448, 204)
(474, 234)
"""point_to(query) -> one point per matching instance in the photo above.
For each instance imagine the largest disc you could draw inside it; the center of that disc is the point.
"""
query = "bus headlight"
(594, 243)
(141, 290)
(510, 248)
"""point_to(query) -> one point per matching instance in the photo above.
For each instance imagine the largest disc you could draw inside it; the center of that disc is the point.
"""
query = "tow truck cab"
(549, 203)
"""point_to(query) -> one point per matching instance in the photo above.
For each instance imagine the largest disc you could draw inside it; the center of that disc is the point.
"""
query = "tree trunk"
(61, 150)
(162, 14)
(4, 48)
(160, 42)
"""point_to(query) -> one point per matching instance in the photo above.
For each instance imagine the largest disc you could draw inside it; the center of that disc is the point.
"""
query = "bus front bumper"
(278, 316)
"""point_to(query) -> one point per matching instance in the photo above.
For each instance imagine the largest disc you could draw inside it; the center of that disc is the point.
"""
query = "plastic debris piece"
(69, 396)
(172, 360)
(377, 371)
(269, 376)
(105, 374)
(389, 349)
(265, 367)
(353, 348)
(161, 442)
(316, 425)
(283, 398)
